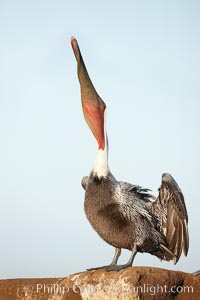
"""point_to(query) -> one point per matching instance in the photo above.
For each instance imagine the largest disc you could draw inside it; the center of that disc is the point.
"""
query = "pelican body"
(125, 215)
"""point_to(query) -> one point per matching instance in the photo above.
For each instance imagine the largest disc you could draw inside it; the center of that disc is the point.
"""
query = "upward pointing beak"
(92, 105)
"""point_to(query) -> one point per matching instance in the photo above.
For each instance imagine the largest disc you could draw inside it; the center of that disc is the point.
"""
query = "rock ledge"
(135, 283)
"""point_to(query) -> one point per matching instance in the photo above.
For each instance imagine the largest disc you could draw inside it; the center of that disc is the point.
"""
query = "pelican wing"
(171, 212)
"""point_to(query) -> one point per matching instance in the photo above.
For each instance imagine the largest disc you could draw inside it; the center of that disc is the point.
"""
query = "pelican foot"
(97, 268)
(117, 267)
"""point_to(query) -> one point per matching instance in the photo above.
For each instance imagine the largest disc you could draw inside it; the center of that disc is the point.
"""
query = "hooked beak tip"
(75, 47)
(73, 39)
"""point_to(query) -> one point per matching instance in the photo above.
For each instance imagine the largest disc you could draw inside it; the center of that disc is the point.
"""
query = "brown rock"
(144, 283)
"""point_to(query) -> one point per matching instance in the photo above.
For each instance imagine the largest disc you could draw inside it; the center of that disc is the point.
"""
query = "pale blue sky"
(143, 58)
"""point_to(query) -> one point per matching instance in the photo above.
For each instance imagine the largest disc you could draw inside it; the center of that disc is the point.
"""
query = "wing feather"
(171, 212)
(185, 238)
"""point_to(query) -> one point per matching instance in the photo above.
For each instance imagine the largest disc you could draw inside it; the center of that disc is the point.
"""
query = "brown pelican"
(123, 214)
